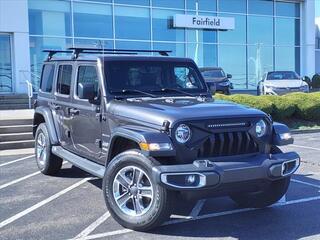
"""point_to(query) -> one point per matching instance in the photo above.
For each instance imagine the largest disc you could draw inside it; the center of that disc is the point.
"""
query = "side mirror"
(212, 88)
(229, 76)
(86, 91)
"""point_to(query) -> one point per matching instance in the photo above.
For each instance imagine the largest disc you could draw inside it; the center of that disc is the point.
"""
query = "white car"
(280, 83)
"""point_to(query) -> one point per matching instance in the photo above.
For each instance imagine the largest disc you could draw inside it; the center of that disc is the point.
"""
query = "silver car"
(280, 83)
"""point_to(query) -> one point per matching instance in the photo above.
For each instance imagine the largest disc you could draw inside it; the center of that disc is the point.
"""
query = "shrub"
(316, 81)
(283, 107)
(301, 106)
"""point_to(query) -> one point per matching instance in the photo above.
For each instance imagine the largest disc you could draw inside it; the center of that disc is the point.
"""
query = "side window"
(64, 79)
(88, 74)
(47, 78)
(185, 77)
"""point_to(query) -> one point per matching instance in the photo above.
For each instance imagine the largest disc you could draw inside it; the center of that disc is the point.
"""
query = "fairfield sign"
(203, 22)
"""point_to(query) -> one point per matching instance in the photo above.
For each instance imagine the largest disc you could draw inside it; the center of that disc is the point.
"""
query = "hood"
(156, 111)
(288, 83)
(216, 80)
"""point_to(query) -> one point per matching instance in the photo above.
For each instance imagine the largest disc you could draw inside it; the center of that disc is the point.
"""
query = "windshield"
(213, 74)
(124, 77)
(284, 75)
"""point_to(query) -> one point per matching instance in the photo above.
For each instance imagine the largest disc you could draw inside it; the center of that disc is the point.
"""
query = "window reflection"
(233, 61)
(238, 35)
(135, 2)
(205, 5)
(134, 45)
(260, 61)
(163, 26)
(132, 23)
(49, 17)
(287, 9)
(236, 6)
(287, 31)
(178, 49)
(168, 3)
(263, 7)
(260, 30)
(92, 20)
(287, 58)
(37, 44)
(5, 64)
(205, 55)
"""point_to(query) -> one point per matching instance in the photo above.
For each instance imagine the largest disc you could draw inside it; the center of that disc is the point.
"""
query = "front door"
(86, 125)
(6, 84)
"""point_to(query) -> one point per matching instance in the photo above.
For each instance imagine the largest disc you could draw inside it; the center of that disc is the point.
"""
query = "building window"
(205, 55)
(262, 7)
(5, 64)
(287, 9)
(260, 30)
(163, 26)
(287, 31)
(92, 20)
(233, 6)
(132, 23)
(49, 17)
(135, 2)
(138, 45)
(287, 58)
(233, 60)
(168, 3)
(177, 49)
(239, 34)
(203, 5)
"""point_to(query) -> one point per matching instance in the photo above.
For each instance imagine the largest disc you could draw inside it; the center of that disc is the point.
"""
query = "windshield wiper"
(175, 90)
(135, 91)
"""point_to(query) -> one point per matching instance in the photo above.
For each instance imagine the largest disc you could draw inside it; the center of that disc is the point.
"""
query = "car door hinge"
(98, 143)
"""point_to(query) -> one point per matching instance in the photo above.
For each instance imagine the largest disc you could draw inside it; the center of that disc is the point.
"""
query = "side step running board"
(83, 163)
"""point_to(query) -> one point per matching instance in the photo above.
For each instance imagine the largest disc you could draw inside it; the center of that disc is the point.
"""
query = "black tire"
(266, 197)
(47, 163)
(227, 92)
(160, 206)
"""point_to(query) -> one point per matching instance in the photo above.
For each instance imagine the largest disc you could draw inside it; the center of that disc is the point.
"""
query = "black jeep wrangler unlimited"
(149, 127)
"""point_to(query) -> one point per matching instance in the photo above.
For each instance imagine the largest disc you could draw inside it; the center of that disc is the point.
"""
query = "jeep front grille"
(228, 144)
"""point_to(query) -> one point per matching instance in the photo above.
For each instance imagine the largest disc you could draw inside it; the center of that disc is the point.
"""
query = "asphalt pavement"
(71, 205)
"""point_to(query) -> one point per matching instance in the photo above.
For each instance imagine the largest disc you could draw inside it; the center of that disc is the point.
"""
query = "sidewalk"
(16, 114)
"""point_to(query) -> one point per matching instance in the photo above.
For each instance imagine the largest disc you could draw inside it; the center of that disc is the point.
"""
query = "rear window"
(213, 74)
(64, 79)
(47, 78)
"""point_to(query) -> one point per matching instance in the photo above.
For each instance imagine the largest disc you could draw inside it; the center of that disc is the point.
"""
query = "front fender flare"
(47, 115)
(278, 130)
(142, 135)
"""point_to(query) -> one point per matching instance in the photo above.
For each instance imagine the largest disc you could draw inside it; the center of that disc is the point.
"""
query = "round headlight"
(261, 128)
(183, 133)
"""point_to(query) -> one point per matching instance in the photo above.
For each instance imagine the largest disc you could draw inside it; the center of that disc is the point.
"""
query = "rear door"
(85, 120)
(62, 102)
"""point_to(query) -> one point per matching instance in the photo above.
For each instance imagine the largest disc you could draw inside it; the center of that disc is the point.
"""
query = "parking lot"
(71, 205)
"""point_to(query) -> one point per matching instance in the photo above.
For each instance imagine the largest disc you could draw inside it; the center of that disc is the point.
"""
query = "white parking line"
(305, 183)
(197, 208)
(205, 216)
(17, 160)
(19, 180)
(300, 146)
(40, 204)
(93, 226)
(22, 178)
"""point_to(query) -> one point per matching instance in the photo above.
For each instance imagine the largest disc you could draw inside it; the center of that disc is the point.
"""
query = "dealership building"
(244, 37)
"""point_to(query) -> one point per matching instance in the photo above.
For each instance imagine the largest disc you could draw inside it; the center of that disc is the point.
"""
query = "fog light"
(190, 179)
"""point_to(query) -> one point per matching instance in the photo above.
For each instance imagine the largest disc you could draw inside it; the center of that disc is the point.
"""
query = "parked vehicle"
(217, 77)
(149, 127)
(280, 83)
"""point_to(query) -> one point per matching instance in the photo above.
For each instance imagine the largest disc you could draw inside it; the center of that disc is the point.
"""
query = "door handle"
(74, 111)
(54, 106)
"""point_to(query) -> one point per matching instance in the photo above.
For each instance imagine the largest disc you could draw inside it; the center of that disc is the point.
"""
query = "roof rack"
(77, 51)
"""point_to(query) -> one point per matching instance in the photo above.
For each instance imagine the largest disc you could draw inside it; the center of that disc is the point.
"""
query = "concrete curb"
(295, 131)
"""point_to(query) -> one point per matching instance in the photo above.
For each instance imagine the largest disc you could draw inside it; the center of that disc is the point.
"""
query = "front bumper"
(283, 91)
(204, 173)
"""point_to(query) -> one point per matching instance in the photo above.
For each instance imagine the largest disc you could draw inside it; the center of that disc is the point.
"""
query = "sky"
(317, 8)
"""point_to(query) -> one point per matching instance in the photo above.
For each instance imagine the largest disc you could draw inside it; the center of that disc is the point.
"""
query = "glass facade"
(5, 64)
(266, 35)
